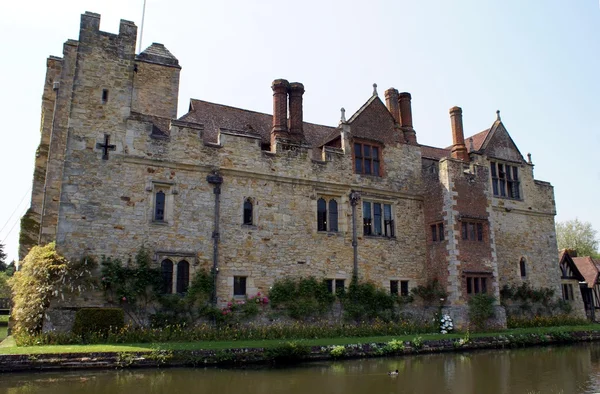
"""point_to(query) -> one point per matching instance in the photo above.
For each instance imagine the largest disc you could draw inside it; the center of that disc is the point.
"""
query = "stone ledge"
(244, 356)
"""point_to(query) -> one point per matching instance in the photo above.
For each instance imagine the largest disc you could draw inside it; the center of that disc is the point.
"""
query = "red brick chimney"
(280, 91)
(406, 118)
(392, 104)
(295, 123)
(459, 150)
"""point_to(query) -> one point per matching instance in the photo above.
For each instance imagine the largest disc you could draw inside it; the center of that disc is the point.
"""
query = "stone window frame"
(177, 260)
(437, 232)
(333, 285)
(505, 180)
(477, 283)
(523, 267)
(240, 285)
(402, 287)
(473, 230)
(368, 227)
(169, 190)
(325, 219)
(359, 158)
(253, 212)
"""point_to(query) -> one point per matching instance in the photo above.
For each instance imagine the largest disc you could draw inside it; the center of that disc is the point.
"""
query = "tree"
(2, 259)
(579, 236)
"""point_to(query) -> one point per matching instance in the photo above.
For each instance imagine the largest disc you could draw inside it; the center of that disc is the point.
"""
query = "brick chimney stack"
(295, 123)
(392, 104)
(406, 118)
(280, 92)
(459, 150)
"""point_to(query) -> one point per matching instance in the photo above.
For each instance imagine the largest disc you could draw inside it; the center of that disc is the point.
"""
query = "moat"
(556, 369)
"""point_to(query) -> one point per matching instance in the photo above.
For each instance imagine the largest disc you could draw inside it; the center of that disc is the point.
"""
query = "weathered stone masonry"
(101, 198)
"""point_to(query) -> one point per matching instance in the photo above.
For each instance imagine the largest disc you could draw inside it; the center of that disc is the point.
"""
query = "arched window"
(166, 268)
(159, 206)
(248, 212)
(183, 276)
(333, 215)
(522, 267)
(321, 215)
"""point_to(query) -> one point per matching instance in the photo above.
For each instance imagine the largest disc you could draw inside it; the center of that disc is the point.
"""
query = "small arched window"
(248, 208)
(159, 206)
(333, 215)
(522, 267)
(321, 215)
(166, 268)
(183, 276)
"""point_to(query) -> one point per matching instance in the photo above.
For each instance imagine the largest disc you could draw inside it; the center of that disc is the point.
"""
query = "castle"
(258, 197)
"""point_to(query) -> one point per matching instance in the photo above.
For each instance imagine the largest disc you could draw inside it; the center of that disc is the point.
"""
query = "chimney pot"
(391, 101)
(280, 90)
(459, 150)
(296, 113)
(404, 101)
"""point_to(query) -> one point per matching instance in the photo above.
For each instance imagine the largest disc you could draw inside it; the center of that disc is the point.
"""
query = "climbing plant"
(135, 286)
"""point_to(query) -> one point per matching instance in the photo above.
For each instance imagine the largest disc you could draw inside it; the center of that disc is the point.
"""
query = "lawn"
(10, 348)
(3, 326)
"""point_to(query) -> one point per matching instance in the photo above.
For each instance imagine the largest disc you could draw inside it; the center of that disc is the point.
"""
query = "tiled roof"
(217, 116)
(157, 53)
(478, 140)
(588, 269)
(432, 152)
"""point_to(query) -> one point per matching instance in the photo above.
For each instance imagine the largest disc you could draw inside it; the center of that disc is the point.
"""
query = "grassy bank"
(3, 326)
(9, 347)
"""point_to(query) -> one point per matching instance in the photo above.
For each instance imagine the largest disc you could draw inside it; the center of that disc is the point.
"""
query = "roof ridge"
(255, 112)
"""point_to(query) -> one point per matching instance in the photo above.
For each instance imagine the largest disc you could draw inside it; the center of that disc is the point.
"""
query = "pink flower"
(224, 312)
(265, 300)
(229, 304)
(258, 294)
(124, 299)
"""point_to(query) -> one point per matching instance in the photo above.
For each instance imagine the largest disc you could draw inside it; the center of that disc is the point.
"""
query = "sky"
(537, 61)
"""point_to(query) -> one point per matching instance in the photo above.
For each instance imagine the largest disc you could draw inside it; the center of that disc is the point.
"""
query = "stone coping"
(243, 356)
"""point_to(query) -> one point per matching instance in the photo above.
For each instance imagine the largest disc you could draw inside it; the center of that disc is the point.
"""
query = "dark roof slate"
(217, 116)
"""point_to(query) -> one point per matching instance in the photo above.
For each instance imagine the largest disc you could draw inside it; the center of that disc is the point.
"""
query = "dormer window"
(505, 180)
(366, 159)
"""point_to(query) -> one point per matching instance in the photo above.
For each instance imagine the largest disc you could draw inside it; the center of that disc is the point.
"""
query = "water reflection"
(573, 369)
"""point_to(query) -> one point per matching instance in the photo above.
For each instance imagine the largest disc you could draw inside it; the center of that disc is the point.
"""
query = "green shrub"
(98, 321)
(337, 351)
(287, 352)
(4, 287)
(545, 321)
(301, 298)
(45, 275)
(481, 309)
(431, 294)
(364, 301)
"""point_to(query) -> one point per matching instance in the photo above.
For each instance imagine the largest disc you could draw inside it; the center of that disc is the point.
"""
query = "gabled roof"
(566, 263)
(362, 108)
(588, 269)
(217, 116)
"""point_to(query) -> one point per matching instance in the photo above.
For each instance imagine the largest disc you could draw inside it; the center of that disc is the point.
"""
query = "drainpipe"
(216, 180)
(55, 87)
(354, 198)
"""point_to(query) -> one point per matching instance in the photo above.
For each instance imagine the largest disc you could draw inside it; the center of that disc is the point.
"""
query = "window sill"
(379, 237)
(159, 222)
(508, 198)
(249, 226)
(369, 175)
(330, 233)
